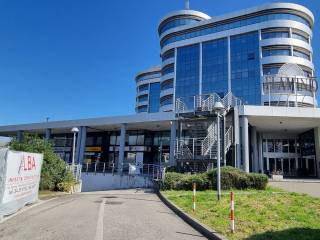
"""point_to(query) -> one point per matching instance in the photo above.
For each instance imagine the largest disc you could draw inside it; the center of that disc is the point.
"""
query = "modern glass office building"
(232, 53)
(243, 82)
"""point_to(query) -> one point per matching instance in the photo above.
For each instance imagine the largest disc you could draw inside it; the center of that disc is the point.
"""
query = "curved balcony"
(168, 62)
(167, 76)
(286, 41)
(166, 108)
(145, 92)
(166, 92)
(287, 59)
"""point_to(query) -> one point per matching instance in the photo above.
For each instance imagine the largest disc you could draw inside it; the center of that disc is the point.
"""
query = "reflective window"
(280, 34)
(143, 98)
(215, 67)
(166, 100)
(176, 23)
(142, 109)
(285, 51)
(300, 36)
(187, 75)
(302, 54)
(168, 54)
(154, 97)
(168, 69)
(148, 76)
(167, 84)
(270, 70)
(218, 27)
(245, 67)
(143, 87)
(270, 144)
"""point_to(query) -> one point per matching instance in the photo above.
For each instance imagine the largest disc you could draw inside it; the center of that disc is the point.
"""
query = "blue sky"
(77, 59)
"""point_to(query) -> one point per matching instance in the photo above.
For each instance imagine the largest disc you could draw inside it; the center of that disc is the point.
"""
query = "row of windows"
(168, 69)
(141, 139)
(281, 146)
(141, 109)
(284, 33)
(167, 84)
(168, 54)
(176, 23)
(143, 98)
(285, 51)
(274, 69)
(148, 76)
(143, 87)
(166, 100)
(235, 24)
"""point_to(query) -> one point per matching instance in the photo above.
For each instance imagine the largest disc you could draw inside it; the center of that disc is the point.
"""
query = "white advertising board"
(20, 177)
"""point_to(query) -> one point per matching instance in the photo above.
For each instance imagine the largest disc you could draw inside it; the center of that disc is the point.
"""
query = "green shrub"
(231, 178)
(186, 182)
(171, 179)
(258, 181)
(54, 175)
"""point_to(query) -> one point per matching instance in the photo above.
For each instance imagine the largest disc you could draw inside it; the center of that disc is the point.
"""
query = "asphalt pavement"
(112, 215)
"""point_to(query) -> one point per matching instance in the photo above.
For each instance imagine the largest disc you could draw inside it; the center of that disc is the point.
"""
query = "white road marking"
(99, 229)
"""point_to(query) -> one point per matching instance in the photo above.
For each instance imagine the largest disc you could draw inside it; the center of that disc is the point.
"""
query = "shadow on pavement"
(290, 234)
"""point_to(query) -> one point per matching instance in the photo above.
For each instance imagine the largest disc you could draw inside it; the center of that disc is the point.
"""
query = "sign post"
(19, 179)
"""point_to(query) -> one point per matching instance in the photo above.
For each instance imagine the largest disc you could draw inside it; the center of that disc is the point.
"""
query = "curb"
(201, 228)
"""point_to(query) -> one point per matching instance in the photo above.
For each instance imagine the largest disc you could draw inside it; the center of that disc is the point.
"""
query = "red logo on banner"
(27, 163)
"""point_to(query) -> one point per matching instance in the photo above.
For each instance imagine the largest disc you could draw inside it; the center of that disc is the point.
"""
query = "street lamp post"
(219, 109)
(74, 130)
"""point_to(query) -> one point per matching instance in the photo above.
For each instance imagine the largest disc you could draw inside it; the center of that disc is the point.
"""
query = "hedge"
(231, 178)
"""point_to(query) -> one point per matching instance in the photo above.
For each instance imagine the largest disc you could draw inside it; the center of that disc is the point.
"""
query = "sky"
(78, 59)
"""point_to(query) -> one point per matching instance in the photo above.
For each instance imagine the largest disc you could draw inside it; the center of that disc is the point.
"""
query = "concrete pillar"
(173, 135)
(236, 127)
(245, 143)
(122, 147)
(20, 136)
(48, 134)
(82, 148)
(254, 147)
(78, 144)
(317, 148)
(260, 153)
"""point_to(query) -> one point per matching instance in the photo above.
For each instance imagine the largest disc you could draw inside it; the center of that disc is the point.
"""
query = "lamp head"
(75, 130)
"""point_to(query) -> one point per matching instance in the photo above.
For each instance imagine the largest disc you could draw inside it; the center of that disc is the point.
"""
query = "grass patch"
(259, 214)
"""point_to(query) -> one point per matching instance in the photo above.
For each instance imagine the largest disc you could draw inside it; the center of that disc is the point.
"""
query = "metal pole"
(74, 150)
(218, 158)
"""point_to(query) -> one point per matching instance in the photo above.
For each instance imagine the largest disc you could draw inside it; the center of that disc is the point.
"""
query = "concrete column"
(236, 127)
(173, 135)
(260, 153)
(48, 134)
(254, 146)
(78, 144)
(82, 148)
(20, 136)
(245, 144)
(122, 147)
(317, 147)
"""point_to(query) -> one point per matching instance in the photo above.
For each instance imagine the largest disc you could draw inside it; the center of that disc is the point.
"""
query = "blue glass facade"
(154, 97)
(187, 71)
(235, 24)
(215, 67)
(245, 67)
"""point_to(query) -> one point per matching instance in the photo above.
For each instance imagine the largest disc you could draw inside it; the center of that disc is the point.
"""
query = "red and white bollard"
(194, 197)
(232, 212)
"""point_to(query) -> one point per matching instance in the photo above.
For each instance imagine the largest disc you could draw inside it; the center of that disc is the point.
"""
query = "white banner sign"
(20, 180)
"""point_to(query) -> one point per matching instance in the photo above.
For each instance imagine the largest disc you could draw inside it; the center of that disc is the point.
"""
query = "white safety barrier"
(19, 179)
(194, 186)
(232, 211)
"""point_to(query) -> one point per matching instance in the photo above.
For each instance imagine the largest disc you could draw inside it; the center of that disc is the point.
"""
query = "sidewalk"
(307, 186)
